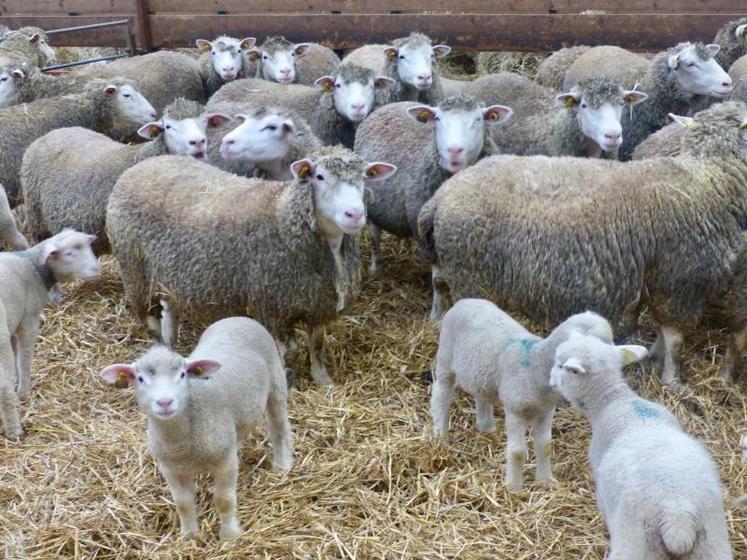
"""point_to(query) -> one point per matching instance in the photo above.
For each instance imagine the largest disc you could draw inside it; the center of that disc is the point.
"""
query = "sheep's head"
(414, 57)
(227, 55)
(353, 89)
(696, 70)
(277, 59)
(69, 255)
(123, 99)
(11, 77)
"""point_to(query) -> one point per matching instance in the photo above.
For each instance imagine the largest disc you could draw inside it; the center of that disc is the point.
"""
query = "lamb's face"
(353, 95)
(279, 64)
(130, 104)
(698, 73)
(415, 60)
(70, 256)
(263, 136)
(45, 48)
(227, 55)
(10, 79)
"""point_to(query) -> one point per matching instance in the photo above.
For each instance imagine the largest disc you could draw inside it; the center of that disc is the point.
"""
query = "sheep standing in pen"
(585, 121)
(283, 252)
(223, 61)
(201, 408)
(98, 107)
(427, 144)
(26, 279)
(741, 502)
(550, 237)
(9, 234)
(657, 488)
(27, 45)
(67, 174)
(496, 360)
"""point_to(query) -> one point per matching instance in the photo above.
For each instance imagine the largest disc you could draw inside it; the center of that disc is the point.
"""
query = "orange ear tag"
(570, 102)
(423, 116)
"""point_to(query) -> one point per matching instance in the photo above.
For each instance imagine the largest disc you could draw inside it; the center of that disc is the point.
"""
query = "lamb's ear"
(202, 368)
(383, 82)
(713, 49)
(573, 365)
(569, 99)
(253, 55)
(50, 251)
(204, 45)
(119, 375)
(34, 39)
(111, 89)
(18, 74)
(632, 353)
(497, 113)
(289, 127)
(325, 83)
(741, 31)
(378, 171)
(441, 50)
(684, 122)
(423, 113)
(634, 97)
(151, 130)
(674, 60)
(302, 169)
(215, 119)
(391, 52)
(247, 43)
(301, 48)
(239, 117)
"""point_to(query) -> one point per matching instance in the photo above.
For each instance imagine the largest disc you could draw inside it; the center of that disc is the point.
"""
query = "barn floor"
(368, 482)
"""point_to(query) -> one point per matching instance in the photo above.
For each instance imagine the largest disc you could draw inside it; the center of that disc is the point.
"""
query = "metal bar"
(81, 62)
(91, 26)
(143, 20)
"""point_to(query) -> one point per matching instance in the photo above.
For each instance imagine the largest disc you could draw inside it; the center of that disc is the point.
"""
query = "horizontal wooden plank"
(64, 7)
(469, 32)
(103, 37)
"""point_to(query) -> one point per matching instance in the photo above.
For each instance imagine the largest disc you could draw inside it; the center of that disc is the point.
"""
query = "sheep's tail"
(679, 529)
(427, 242)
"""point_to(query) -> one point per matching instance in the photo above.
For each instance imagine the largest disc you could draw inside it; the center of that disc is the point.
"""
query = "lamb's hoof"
(14, 434)
(375, 271)
(435, 316)
(230, 530)
(23, 391)
(677, 386)
(514, 487)
(544, 481)
(727, 375)
(487, 429)
(321, 376)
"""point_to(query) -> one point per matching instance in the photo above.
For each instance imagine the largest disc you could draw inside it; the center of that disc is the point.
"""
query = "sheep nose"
(614, 136)
(727, 83)
(353, 214)
(197, 142)
(229, 69)
(228, 142)
(455, 150)
(164, 403)
(285, 71)
(359, 106)
(424, 77)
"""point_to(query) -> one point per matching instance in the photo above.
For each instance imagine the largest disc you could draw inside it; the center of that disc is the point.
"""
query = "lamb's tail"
(679, 530)
(427, 242)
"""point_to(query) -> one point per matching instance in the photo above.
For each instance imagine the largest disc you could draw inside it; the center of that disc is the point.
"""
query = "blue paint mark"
(644, 410)
(526, 348)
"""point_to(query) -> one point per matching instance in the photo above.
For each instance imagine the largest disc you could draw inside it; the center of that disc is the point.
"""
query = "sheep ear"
(632, 353)
(391, 52)
(119, 375)
(215, 119)
(634, 97)
(50, 251)
(18, 74)
(253, 55)
(713, 49)
(423, 113)
(378, 171)
(241, 118)
(441, 50)
(685, 122)
(302, 169)
(569, 99)
(91, 238)
(203, 44)
(247, 43)
(383, 82)
(301, 48)
(289, 127)
(497, 113)
(202, 368)
(151, 130)
(741, 31)
(34, 39)
(111, 89)
(325, 83)
(674, 61)
(574, 366)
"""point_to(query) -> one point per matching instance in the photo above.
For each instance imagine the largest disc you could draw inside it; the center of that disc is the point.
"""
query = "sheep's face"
(70, 257)
(10, 79)
(698, 73)
(264, 136)
(161, 379)
(130, 104)
(45, 48)
(278, 64)
(338, 188)
(353, 96)
(227, 55)
(415, 62)
(459, 130)
(183, 137)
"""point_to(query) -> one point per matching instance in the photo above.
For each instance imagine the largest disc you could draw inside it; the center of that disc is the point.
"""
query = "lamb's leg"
(672, 345)
(288, 349)
(224, 495)
(280, 431)
(542, 435)
(8, 397)
(25, 340)
(516, 451)
(374, 237)
(182, 488)
(442, 395)
(168, 324)
(484, 415)
(316, 355)
(731, 369)
(629, 540)
(656, 352)
(440, 291)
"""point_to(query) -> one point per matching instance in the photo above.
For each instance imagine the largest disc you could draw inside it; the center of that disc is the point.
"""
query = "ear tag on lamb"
(121, 381)
(391, 55)
(327, 87)
(303, 172)
(570, 102)
(423, 116)
(154, 132)
(371, 173)
(198, 371)
(628, 356)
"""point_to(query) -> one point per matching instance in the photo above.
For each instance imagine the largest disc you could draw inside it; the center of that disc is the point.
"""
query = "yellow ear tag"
(628, 357)
(493, 115)
(121, 381)
(327, 87)
(391, 55)
(198, 371)
(423, 116)
(303, 173)
(153, 132)
(570, 102)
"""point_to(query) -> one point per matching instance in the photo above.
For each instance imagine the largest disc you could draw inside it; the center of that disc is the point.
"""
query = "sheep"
(271, 139)
(409, 61)
(33, 84)
(584, 121)
(223, 61)
(12, 76)
(738, 74)
(607, 61)
(551, 71)
(549, 237)
(26, 279)
(316, 61)
(657, 487)
(732, 38)
(664, 142)
(493, 358)
(27, 45)
(332, 108)
(67, 174)
(275, 60)
(98, 107)
(283, 252)
(202, 407)
(427, 144)
(9, 234)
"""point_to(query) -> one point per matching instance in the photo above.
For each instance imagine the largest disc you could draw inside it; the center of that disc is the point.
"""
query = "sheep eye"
(401, 57)
(338, 86)
(271, 127)
(320, 177)
(5, 79)
(584, 105)
(184, 374)
(265, 57)
(691, 64)
(168, 127)
(126, 95)
(140, 379)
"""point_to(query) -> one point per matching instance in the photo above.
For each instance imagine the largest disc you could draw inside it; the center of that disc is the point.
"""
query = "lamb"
(202, 407)
(26, 279)
(427, 144)
(275, 60)
(494, 359)
(410, 63)
(33, 84)
(551, 71)
(732, 39)
(738, 74)
(607, 61)
(67, 174)
(223, 61)
(657, 488)
(11, 76)
(282, 252)
(9, 234)
(97, 107)
(332, 108)
(549, 237)
(27, 45)
(584, 121)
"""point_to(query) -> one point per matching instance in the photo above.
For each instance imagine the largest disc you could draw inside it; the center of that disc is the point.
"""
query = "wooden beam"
(65, 7)
(145, 37)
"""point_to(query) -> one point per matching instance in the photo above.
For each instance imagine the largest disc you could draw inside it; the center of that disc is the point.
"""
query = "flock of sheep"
(248, 194)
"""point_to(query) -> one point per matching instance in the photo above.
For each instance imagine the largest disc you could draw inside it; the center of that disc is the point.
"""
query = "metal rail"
(120, 22)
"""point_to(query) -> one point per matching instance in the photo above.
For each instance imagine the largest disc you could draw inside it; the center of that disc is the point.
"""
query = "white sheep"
(276, 59)
(9, 234)
(657, 488)
(223, 60)
(200, 409)
(493, 358)
(26, 279)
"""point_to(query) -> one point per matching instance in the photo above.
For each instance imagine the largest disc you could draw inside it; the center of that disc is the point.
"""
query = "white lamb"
(197, 420)
(493, 358)
(657, 487)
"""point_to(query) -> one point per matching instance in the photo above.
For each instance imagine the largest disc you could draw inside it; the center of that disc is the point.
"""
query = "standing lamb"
(68, 173)
(9, 234)
(201, 408)
(494, 359)
(741, 502)
(657, 488)
(550, 237)
(26, 279)
(97, 107)
(316, 61)
(223, 61)
(427, 144)
(283, 252)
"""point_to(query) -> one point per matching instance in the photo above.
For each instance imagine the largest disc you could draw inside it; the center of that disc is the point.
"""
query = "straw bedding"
(368, 481)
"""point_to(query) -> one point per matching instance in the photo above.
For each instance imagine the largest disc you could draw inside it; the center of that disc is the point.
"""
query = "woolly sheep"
(316, 61)
(12, 75)
(283, 252)
(33, 84)
(738, 74)
(26, 279)
(492, 357)
(732, 39)
(551, 71)
(98, 107)
(27, 45)
(223, 60)
(427, 144)
(613, 63)
(664, 142)
(584, 121)
(9, 234)
(410, 62)
(275, 60)
(554, 236)
(201, 408)
(67, 174)
(657, 488)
